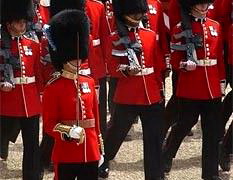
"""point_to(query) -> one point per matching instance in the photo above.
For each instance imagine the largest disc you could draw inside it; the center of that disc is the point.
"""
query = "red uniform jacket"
(59, 105)
(141, 89)
(42, 12)
(110, 16)
(204, 82)
(99, 30)
(24, 100)
(156, 23)
(230, 46)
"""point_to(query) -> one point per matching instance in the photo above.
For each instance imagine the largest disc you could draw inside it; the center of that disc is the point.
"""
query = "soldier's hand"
(6, 86)
(76, 132)
(188, 65)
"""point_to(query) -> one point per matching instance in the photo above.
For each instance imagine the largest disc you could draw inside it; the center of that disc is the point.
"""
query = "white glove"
(75, 132)
(188, 65)
(223, 87)
(101, 161)
(6, 86)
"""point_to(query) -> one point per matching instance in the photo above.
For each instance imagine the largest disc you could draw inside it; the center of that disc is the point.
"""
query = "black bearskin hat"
(58, 5)
(62, 34)
(188, 4)
(16, 9)
(123, 7)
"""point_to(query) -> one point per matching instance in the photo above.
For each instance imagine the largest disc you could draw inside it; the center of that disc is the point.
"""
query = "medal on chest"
(213, 31)
(152, 9)
(85, 87)
(27, 51)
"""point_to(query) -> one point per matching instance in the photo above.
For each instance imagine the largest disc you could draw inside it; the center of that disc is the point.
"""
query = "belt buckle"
(23, 80)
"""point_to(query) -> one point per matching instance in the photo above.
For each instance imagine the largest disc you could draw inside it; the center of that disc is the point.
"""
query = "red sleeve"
(221, 65)
(50, 111)
(176, 56)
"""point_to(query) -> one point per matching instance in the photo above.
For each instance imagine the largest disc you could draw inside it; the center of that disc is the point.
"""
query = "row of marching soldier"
(57, 58)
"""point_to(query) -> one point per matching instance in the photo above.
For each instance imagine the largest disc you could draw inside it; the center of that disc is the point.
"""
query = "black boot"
(224, 158)
(167, 164)
(103, 170)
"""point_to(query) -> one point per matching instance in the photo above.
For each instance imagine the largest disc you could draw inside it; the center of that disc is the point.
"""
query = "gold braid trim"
(101, 141)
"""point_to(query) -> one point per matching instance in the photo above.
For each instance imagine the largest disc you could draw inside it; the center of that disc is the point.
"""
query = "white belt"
(145, 71)
(120, 53)
(24, 80)
(85, 71)
(206, 62)
(96, 42)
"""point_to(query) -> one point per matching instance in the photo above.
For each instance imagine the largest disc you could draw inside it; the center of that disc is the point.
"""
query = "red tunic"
(142, 89)
(24, 100)
(59, 105)
(204, 82)
(99, 30)
(230, 46)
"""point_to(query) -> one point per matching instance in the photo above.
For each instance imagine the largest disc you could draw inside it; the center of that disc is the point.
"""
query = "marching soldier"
(202, 68)
(133, 58)
(71, 118)
(20, 77)
(226, 145)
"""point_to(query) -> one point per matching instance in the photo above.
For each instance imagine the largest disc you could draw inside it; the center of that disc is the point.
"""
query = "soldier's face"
(17, 27)
(133, 20)
(200, 9)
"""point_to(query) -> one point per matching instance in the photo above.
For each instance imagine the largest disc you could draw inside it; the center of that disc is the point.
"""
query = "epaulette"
(31, 35)
(55, 76)
(97, 1)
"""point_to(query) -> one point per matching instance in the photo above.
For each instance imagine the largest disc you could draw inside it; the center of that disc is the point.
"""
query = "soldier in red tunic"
(71, 118)
(226, 18)
(200, 85)
(19, 81)
(138, 88)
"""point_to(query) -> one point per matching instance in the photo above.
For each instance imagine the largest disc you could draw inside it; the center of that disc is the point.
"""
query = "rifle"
(131, 48)
(9, 61)
(192, 41)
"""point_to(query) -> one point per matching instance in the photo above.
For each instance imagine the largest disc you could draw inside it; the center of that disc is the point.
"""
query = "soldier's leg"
(227, 109)
(89, 171)
(30, 135)
(152, 118)
(4, 141)
(111, 92)
(123, 119)
(103, 106)
(225, 149)
(171, 111)
(227, 141)
(188, 117)
(210, 117)
(66, 171)
(46, 147)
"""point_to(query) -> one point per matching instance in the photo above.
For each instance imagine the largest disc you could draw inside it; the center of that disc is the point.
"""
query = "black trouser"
(30, 135)
(103, 106)
(188, 115)
(152, 124)
(171, 112)
(46, 148)
(85, 171)
(9, 131)
(227, 105)
(227, 140)
(111, 105)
